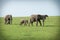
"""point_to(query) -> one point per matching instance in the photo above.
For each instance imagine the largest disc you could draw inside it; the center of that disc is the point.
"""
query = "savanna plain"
(14, 31)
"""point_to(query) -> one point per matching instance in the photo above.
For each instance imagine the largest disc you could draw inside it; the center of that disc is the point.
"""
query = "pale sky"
(27, 8)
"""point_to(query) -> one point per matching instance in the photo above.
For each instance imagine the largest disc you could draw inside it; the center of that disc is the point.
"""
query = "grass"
(51, 30)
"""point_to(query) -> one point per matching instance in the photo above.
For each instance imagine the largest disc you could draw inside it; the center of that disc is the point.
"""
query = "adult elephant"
(8, 19)
(37, 18)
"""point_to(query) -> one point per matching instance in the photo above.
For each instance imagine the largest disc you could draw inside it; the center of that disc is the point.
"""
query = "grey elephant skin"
(37, 18)
(8, 19)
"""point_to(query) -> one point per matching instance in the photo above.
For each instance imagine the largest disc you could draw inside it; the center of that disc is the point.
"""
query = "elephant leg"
(29, 23)
(8, 22)
(32, 23)
(43, 22)
(40, 23)
(36, 23)
(11, 22)
(5, 20)
(24, 23)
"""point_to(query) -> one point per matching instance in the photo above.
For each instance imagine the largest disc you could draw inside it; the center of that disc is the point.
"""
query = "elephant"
(37, 18)
(25, 22)
(8, 19)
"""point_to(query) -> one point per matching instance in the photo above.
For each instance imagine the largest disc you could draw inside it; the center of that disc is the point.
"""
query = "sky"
(18, 8)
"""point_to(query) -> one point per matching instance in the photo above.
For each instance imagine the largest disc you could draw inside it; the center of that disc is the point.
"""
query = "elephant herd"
(33, 18)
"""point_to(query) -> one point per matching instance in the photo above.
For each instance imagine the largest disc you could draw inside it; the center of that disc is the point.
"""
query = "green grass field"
(14, 31)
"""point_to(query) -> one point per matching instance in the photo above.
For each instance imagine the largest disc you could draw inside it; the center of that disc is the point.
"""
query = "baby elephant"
(24, 22)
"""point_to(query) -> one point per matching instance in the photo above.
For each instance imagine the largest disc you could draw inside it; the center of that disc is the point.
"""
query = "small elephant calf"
(24, 22)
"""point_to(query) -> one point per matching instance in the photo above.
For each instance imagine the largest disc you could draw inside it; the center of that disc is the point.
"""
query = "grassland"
(14, 31)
